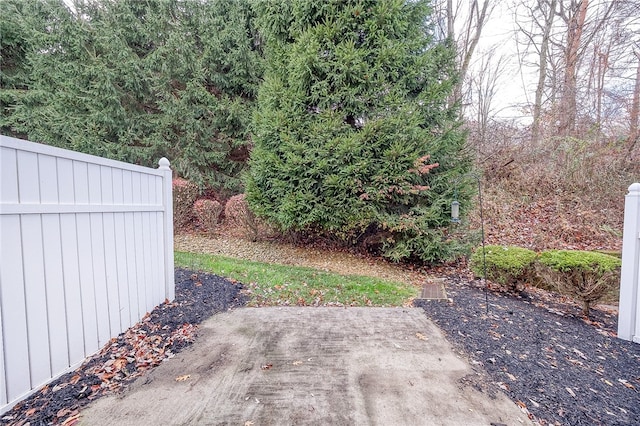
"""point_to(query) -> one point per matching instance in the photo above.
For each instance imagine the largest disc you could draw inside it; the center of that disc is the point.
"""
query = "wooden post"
(167, 200)
(629, 309)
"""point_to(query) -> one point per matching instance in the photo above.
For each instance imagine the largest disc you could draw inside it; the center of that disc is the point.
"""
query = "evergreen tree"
(137, 80)
(353, 135)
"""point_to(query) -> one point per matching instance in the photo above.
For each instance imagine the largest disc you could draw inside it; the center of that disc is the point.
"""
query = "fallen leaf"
(59, 386)
(30, 412)
(580, 354)
(297, 362)
(75, 379)
(535, 404)
(63, 412)
(106, 376)
(571, 392)
(511, 376)
(266, 366)
(71, 421)
(626, 383)
(183, 378)
(524, 409)
(421, 336)
(120, 363)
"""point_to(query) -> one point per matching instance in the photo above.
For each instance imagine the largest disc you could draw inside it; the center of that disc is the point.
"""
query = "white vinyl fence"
(86, 249)
(629, 313)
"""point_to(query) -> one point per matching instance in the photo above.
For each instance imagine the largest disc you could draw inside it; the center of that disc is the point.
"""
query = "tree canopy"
(135, 81)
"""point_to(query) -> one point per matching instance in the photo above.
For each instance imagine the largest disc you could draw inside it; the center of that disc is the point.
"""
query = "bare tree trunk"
(473, 30)
(603, 64)
(568, 108)
(450, 20)
(542, 72)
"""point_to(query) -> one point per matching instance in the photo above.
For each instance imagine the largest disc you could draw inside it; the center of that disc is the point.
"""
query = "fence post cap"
(164, 164)
(635, 187)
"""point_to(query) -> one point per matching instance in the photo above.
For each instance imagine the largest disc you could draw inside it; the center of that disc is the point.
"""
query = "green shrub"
(585, 275)
(509, 266)
(184, 195)
(135, 81)
(208, 212)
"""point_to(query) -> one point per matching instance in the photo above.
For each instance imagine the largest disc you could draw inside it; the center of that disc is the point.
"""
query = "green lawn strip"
(285, 285)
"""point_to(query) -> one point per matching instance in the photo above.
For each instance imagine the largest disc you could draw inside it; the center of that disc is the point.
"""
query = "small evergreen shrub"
(511, 267)
(208, 213)
(184, 195)
(585, 275)
(238, 215)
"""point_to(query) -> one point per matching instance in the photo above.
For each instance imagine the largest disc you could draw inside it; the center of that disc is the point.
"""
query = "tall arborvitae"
(353, 135)
(139, 80)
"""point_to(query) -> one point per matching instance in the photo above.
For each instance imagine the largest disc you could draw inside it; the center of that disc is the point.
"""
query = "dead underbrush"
(566, 194)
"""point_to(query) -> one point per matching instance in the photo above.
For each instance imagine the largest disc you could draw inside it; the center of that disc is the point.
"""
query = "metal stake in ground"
(455, 218)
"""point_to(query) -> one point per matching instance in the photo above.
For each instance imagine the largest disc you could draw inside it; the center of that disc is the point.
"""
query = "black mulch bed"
(168, 329)
(559, 367)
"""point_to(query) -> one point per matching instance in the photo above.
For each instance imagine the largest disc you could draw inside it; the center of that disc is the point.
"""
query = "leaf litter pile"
(560, 368)
(168, 329)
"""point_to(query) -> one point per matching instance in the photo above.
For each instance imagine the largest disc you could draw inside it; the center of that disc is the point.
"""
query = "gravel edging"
(555, 365)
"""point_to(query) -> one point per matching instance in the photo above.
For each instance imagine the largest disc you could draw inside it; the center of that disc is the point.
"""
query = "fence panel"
(86, 249)
(629, 307)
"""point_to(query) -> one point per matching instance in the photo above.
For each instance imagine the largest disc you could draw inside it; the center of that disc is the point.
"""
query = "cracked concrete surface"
(312, 366)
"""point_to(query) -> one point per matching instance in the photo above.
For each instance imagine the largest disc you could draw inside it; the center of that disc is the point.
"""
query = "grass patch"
(280, 285)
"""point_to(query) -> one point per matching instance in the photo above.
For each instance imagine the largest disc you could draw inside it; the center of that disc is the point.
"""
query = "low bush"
(184, 195)
(238, 215)
(511, 267)
(585, 275)
(208, 213)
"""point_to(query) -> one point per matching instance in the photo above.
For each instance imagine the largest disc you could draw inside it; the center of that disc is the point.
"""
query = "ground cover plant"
(285, 285)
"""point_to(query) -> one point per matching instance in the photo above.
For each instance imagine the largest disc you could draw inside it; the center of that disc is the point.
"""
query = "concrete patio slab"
(311, 366)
